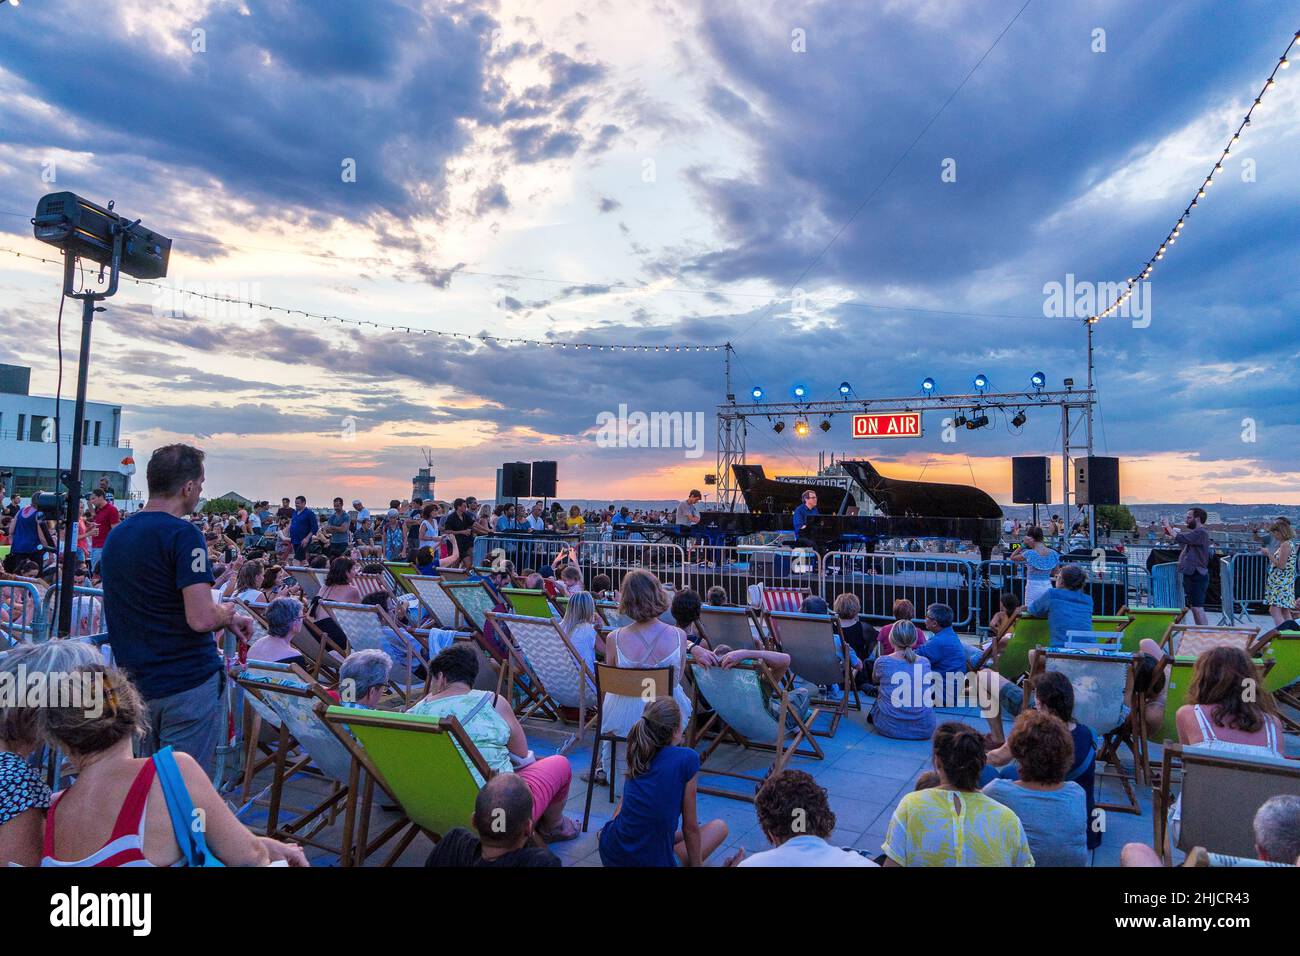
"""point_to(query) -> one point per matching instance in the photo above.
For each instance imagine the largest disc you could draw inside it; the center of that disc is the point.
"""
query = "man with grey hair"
(1277, 829)
(363, 677)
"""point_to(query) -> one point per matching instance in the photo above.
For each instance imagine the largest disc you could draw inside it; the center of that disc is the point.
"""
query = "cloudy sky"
(663, 173)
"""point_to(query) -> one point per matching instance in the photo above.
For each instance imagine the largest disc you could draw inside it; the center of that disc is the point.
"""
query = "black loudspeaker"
(514, 479)
(1031, 480)
(544, 479)
(1096, 481)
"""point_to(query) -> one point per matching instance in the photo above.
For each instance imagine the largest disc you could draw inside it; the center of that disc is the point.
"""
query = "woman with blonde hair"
(579, 625)
(116, 812)
(650, 643)
(659, 793)
(904, 707)
(1279, 586)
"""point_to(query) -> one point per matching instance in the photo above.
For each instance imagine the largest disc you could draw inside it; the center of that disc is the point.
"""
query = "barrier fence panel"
(23, 617)
(734, 569)
(878, 580)
(87, 611)
(617, 558)
(1242, 581)
(524, 551)
(1166, 586)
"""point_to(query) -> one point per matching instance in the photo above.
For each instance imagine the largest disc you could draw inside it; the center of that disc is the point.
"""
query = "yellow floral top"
(945, 828)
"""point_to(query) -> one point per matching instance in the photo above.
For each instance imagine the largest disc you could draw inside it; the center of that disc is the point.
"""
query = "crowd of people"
(173, 580)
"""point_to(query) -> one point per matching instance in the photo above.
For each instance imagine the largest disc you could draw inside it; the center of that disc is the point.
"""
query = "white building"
(27, 439)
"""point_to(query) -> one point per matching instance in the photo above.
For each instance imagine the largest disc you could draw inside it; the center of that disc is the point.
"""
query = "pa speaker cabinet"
(1031, 480)
(1096, 481)
(515, 477)
(544, 473)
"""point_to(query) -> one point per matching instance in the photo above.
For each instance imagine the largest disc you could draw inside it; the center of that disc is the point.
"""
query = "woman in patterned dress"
(1279, 586)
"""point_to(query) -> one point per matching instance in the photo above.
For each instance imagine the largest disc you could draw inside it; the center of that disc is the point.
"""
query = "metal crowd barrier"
(878, 580)
(23, 616)
(1167, 586)
(1242, 580)
(617, 558)
(523, 551)
(735, 568)
(87, 611)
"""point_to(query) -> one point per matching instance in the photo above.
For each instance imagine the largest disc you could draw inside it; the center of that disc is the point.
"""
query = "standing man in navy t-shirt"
(303, 526)
(160, 612)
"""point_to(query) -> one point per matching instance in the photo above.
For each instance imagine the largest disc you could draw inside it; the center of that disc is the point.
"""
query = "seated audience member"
(1218, 716)
(1007, 607)
(717, 597)
(777, 663)
(503, 824)
(796, 817)
(817, 605)
(1052, 809)
(338, 587)
(115, 814)
(659, 793)
(1277, 835)
(248, 584)
(283, 622)
(491, 724)
(1067, 607)
(686, 613)
(952, 823)
(601, 585)
(1054, 694)
(860, 636)
(579, 625)
(903, 611)
(408, 655)
(571, 578)
(24, 795)
(425, 562)
(904, 708)
(363, 678)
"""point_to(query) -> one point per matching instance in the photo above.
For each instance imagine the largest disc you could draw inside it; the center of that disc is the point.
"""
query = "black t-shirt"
(148, 560)
(285, 512)
(459, 848)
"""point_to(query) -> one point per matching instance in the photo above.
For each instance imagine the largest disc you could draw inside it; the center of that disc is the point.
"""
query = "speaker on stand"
(1031, 481)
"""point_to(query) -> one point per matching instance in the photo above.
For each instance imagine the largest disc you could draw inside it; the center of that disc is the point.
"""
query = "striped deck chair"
(562, 676)
(1199, 856)
(475, 601)
(370, 627)
(733, 627)
(1193, 640)
(1102, 681)
(1282, 650)
(311, 580)
(739, 700)
(293, 698)
(370, 583)
(810, 640)
(782, 599)
(437, 606)
(528, 602)
(427, 765)
(1208, 818)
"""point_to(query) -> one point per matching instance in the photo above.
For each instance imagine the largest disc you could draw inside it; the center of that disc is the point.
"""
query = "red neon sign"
(887, 425)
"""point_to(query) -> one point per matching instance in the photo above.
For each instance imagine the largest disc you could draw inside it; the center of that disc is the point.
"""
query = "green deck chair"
(1026, 634)
(399, 571)
(1283, 677)
(423, 763)
(1149, 623)
(529, 603)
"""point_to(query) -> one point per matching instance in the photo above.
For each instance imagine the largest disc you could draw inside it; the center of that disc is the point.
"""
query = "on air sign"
(887, 425)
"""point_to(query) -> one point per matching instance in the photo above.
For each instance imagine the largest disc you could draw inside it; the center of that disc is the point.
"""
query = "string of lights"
(1176, 232)
(408, 329)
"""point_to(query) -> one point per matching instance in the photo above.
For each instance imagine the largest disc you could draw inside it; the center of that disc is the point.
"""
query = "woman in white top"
(248, 584)
(429, 528)
(646, 642)
(579, 625)
(1040, 561)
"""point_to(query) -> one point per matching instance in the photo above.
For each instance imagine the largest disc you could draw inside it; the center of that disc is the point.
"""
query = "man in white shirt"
(535, 521)
(796, 818)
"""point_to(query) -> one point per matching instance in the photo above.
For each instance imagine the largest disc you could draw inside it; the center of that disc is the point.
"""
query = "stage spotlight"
(778, 427)
(981, 382)
(800, 391)
(927, 385)
(81, 228)
(801, 429)
(959, 421)
(757, 393)
(979, 421)
(826, 425)
(1038, 380)
(1019, 419)
(845, 388)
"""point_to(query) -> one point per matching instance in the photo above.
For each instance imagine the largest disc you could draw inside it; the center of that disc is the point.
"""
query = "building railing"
(26, 438)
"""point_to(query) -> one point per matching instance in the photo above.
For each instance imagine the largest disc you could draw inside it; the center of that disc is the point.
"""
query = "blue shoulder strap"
(181, 810)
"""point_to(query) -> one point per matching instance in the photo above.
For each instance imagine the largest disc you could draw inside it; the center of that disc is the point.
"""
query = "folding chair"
(370, 583)
(1102, 682)
(810, 640)
(611, 615)
(323, 655)
(738, 699)
(258, 719)
(562, 676)
(1027, 633)
(646, 683)
(1282, 650)
(400, 571)
(730, 626)
(427, 765)
(1199, 856)
(454, 575)
(768, 599)
(435, 603)
(1147, 623)
(529, 603)
(368, 627)
(311, 580)
(1220, 796)
(1192, 640)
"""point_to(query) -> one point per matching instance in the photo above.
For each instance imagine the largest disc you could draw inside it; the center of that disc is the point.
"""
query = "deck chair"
(370, 583)
(261, 724)
(400, 571)
(318, 649)
(293, 699)
(1148, 623)
(474, 601)
(1192, 640)
(612, 616)
(427, 765)
(455, 575)
(644, 682)
(528, 602)
(562, 676)
(311, 580)
(1282, 649)
(1220, 796)
(810, 641)
(1102, 683)
(738, 699)
(730, 626)
(1027, 633)
(366, 626)
(1199, 856)
(435, 603)
(780, 599)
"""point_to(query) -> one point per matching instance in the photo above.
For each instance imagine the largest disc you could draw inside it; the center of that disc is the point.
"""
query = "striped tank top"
(125, 846)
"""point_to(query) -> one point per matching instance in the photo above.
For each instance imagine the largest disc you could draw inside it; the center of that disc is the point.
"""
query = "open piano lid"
(929, 499)
(765, 495)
